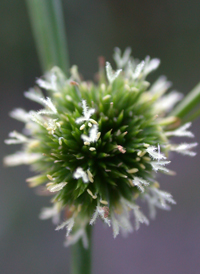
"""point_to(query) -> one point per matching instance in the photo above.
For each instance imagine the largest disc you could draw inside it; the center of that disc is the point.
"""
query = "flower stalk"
(81, 257)
(49, 32)
(185, 109)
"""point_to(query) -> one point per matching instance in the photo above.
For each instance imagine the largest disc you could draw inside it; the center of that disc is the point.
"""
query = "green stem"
(81, 257)
(188, 104)
(49, 32)
(193, 116)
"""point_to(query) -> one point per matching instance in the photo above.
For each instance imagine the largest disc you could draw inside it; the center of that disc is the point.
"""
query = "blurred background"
(169, 30)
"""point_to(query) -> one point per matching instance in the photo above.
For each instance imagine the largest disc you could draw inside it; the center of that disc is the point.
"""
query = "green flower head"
(97, 147)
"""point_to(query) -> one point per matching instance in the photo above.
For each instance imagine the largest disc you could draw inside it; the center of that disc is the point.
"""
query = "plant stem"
(187, 104)
(193, 116)
(49, 32)
(81, 257)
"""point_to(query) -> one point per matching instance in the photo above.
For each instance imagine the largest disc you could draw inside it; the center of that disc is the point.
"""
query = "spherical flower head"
(97, 147)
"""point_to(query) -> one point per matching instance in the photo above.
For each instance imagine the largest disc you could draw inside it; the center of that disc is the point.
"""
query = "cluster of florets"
(97, 147)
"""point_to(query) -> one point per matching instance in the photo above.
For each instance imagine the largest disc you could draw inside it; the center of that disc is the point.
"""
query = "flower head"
(97, 147)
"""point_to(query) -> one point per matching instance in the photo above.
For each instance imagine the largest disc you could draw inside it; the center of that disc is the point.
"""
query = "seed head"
(97, 147)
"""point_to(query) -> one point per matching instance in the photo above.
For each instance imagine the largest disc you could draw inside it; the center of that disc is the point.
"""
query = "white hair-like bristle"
(80, 173)
(181, 131)
(110, 74)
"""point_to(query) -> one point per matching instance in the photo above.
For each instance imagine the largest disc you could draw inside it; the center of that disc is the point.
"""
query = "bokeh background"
(169, 30)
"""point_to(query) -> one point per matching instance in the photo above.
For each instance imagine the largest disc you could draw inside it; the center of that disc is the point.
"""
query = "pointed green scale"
(123, 128)
(102, 165)
(102, 155)
(120, 117)
(107, 135)
(71, 120)
(111, 182)
(77, 134)
(118, 174)
(71, 144)
(110, 147)
(80, 190)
